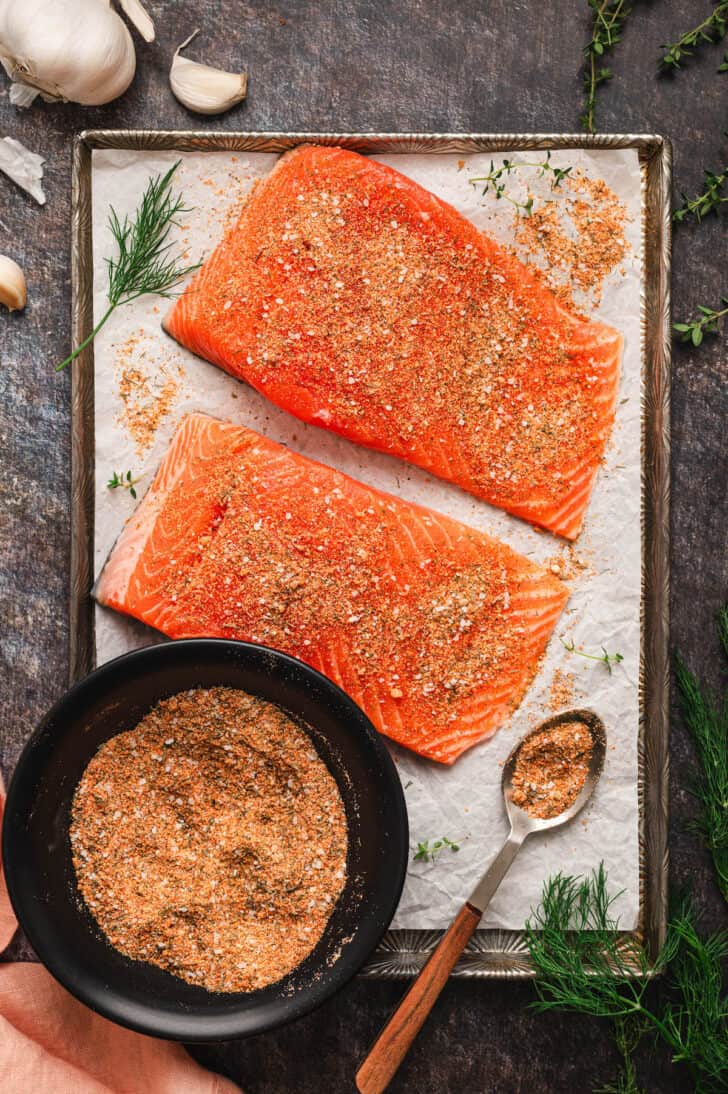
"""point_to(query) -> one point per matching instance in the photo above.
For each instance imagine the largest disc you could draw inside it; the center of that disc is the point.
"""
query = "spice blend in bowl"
(211, 840)
(551, 769)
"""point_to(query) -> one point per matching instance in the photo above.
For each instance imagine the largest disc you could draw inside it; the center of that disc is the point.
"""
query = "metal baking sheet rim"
(491, 953)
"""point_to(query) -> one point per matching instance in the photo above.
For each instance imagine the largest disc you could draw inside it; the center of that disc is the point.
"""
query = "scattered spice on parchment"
(147, 396)
(237, 194)
(225, 202)
(551, 769)
(561, 692)
(576, 241)
(567, 564)
(211, 840)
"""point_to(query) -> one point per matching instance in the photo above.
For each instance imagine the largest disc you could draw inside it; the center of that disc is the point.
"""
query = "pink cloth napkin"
(52, 1044)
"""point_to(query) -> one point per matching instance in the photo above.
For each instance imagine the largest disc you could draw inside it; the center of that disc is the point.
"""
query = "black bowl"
(37, 852)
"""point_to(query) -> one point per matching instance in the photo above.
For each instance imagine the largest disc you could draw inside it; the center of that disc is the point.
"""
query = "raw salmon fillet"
(357, 300)
(433, 628)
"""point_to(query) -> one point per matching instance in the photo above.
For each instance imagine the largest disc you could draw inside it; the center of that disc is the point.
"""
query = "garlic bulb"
(204, 89)
(13, 293)
(73, 50)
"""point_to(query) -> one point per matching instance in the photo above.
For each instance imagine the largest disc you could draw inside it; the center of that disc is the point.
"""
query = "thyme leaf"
(585, 964)
(144, 261)
(125, 481)
(706, 323)
(608, 20)
(492, 182)
(706, 719)
(428, 851)
(606, 658)
(712, 29)
(709, 201)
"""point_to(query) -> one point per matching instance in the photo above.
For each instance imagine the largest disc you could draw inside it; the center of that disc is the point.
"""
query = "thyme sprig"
(706, 719)
(712, 30)
(724, 65)
(706, 323)
(492, 181)
(607, 23)
(144, 262)
(709, 201)
(604, 657)
(428, 851)
(584, 964)
(125, 481)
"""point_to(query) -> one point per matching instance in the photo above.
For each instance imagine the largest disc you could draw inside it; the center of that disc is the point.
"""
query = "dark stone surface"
(508, 65)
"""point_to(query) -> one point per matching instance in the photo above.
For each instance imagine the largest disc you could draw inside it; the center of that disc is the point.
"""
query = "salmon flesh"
(433, 628)
(358, 301)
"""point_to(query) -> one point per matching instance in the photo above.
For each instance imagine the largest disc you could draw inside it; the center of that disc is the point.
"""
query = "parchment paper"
(462, 802)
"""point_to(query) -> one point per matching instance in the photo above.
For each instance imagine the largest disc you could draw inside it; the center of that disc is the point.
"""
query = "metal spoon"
(393, 1043)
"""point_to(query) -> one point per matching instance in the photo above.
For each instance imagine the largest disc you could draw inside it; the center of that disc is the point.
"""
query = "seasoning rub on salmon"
(357, 300)
(433, 628)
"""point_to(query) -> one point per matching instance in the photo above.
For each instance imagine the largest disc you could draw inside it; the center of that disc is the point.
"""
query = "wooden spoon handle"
(393, 1043)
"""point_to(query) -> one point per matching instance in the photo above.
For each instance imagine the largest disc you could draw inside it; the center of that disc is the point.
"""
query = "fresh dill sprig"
(144, 262)
(124, 481)
(712, 30)
(628, 1032)
(492, 181)
(707, 722)
(427, 851)
(584, 964)
(707, 323)
(709, 201)
(694, 1020)
(607, 23)
(607, 659)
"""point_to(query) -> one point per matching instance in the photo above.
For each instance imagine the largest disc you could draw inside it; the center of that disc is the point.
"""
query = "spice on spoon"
(211, 840)
(527, 769)
(551, 769)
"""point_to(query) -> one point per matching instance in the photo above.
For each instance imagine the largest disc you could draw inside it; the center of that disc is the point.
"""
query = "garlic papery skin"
(74, 50)
(203, 89)
(13, 291)
(24, 167)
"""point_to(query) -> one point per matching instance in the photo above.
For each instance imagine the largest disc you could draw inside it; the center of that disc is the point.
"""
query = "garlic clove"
(13, 292)
(138, 16)
(204, 89)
